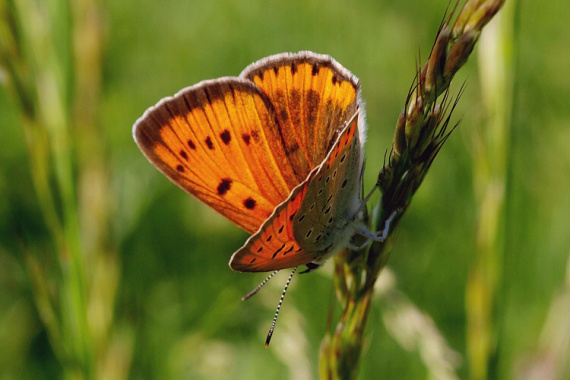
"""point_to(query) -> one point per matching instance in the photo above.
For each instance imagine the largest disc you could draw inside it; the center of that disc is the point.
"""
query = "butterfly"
(277, 150)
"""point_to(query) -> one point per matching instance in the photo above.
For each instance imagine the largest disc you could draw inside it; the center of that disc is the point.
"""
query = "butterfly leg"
(354, 247)
(361, 230)
(380, 236)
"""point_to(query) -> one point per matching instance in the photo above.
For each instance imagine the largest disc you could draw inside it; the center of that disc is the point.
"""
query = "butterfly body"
(277, 150)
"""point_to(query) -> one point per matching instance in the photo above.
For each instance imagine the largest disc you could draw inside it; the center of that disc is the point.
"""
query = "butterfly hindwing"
(333, 198)
(283, 241)
(273, 246)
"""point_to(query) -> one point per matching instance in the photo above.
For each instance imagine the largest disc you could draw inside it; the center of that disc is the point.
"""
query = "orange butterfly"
(277, 150)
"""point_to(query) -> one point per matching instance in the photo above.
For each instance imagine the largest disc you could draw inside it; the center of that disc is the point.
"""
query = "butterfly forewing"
(284, 240)
(217, 141)
(313, 97)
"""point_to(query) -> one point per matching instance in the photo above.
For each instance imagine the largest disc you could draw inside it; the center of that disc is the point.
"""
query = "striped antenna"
(254, 291)
(270, 333)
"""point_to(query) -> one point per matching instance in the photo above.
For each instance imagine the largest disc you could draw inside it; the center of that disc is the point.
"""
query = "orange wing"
(274, 246)
(313, 97)
(219, 141)
(241, 145)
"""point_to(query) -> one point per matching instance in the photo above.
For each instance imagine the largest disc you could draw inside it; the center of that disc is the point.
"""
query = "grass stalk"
(421, 130)
(49, 70)
(490, 168)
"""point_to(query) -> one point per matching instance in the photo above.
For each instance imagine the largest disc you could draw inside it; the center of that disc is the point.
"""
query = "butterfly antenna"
(254, 291)
(270, 333)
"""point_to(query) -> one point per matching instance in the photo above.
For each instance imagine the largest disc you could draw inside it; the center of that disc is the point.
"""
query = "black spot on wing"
(316, 69)
(224, 186)
(249, 203)
(293, 68)
(226, 137)
(209, 143)
(279, 250)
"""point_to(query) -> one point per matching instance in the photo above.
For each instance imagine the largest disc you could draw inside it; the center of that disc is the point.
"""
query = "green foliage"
(152, 295)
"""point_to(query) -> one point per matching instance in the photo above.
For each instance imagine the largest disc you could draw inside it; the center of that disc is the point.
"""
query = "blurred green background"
(158, 299)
